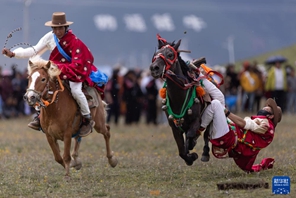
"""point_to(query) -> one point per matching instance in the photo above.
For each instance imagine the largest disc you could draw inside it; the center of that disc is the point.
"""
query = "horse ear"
(30, 63)
(161, 41)
(48, 65)
(177, 45)
(161, 44)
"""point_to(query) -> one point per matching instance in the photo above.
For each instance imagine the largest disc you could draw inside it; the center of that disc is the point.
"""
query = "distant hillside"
(288, 52)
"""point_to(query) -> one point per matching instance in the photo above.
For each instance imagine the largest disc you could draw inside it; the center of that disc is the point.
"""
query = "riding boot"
(35, 123)
(86, 126)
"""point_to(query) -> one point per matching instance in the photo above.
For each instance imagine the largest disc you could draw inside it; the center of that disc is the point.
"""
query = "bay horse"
(182, 106)
(60, 117)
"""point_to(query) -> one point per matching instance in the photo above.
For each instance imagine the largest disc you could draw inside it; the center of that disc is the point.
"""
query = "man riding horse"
(71, 56)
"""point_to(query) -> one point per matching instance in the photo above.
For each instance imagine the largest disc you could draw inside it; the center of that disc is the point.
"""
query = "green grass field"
(149, 165)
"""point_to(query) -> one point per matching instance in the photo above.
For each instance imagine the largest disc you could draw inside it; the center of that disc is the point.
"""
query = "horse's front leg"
(192, 135)
(67, 155)
(189, 158)
(76, 162)
(55, 149)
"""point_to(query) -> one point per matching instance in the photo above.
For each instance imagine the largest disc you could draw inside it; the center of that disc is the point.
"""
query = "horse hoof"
(205, 158)
(193, 157)
(76, 164)
(113, 161)
(67, 178)
(189, 163)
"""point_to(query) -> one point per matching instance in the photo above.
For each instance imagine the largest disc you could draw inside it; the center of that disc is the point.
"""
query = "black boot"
(35, 123)
(86, 126)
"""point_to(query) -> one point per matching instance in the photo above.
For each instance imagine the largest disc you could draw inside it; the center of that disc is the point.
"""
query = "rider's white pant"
(215, 112)
(78, 95)
(214, 92)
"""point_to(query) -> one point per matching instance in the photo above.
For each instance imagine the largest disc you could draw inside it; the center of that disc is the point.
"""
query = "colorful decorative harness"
(167, 73)
(185, 106)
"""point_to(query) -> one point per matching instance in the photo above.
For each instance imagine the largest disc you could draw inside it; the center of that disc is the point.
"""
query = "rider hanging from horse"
(233, 136)
(238, 138)
(72, 57)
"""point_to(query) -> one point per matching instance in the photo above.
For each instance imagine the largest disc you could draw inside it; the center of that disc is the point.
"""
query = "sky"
(125, 31)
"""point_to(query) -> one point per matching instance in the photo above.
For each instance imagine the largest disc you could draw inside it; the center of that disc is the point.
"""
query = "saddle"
(91, 96)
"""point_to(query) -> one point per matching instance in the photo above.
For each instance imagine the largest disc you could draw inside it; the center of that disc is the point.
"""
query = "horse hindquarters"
(55, 149)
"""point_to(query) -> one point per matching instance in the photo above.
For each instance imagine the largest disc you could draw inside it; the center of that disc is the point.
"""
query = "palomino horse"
(182, 105)
(60, 117)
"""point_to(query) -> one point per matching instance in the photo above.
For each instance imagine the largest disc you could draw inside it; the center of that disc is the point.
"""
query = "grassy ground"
(149, 165)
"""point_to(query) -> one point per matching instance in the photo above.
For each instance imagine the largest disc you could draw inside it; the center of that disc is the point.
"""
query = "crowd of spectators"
(244, 89)
(13, 85)
(133, 94)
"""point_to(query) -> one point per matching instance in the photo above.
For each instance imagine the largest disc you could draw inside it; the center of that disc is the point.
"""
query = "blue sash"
(64, 54)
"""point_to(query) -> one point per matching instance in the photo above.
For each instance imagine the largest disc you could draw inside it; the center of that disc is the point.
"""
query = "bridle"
(43, 102)
(168, 73)
(168, 62)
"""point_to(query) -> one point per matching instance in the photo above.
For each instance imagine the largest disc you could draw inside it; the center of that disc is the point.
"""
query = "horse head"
(165, 58)
(40, 72)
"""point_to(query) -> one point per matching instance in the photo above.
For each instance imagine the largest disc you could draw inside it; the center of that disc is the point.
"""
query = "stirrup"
(86, 129)
(35, 125)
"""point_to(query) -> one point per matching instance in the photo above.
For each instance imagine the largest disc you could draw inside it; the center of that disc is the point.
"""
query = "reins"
(185, 86)
(167, 73)
(45, 102)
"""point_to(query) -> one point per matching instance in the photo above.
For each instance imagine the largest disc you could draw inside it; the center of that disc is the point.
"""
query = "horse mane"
(39, 63)
(184, 66)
